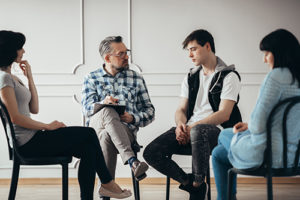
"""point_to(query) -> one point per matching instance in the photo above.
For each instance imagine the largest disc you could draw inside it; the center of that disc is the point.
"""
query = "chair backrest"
(289, 103)
(9, 130)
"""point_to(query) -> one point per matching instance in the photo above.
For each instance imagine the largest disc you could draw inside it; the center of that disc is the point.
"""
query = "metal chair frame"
(18, 159)
(266, 169)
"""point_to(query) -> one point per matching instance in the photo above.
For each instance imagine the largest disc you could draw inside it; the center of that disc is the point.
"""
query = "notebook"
(119, 108)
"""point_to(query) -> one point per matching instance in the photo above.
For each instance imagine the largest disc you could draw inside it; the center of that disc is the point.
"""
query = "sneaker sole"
(140, 171)
(141, 177)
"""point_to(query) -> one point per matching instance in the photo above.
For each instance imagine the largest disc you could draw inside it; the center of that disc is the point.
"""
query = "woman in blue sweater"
(243, 146)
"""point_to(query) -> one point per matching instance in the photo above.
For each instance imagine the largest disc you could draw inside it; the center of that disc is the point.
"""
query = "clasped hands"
(183, 133)
(126, 117)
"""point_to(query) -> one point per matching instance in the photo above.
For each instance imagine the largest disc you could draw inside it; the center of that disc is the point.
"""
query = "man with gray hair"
(115, 83)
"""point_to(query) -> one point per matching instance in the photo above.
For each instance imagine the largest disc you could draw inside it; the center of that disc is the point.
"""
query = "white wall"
(62, 46)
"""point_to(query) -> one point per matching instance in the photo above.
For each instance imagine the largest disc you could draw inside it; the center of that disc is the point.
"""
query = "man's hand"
(110, 100)
(240, 127)
(182, 134)
(126, 117)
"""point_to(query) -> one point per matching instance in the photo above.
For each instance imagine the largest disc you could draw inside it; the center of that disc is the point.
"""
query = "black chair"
(207, 179)
(266, 169)
(18, 159)
(136, 148)
(136, 186)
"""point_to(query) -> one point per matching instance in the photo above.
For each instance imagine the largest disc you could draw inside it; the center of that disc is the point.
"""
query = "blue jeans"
(221, 163)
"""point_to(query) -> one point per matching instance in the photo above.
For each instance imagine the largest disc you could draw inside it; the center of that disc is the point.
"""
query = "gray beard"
(122, 68)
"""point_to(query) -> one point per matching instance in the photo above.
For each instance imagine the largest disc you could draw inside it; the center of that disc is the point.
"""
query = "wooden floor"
(154, 192)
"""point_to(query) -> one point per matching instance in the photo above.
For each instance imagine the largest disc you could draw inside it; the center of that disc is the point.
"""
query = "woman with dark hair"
(35, 138)
(243, 147)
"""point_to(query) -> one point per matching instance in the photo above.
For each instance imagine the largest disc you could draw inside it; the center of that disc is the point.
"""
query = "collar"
(221, 65)
(103, 72)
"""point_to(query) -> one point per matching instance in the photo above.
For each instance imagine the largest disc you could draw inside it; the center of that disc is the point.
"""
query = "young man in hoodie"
(209, 97)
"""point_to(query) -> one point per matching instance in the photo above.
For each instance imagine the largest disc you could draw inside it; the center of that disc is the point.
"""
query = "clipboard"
(119, 108)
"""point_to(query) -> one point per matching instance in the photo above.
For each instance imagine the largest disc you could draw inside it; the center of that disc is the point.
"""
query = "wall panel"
(63, 39)
(52, 29)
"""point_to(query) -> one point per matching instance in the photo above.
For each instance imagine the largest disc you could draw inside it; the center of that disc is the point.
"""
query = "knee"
(198, 133)
(225, 134)
(108, 111)
(90, 133)
(151, 153)
(81, 133)
(148, 152)
(215, 152)
(90, 130)
(104, 136)
(105, 139)
(219, 153)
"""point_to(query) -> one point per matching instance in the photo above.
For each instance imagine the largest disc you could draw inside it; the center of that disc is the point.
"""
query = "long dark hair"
(285, 49)
(10, 43)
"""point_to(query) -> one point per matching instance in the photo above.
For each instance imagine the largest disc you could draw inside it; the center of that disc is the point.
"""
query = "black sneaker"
(188, 187)
(199, 193)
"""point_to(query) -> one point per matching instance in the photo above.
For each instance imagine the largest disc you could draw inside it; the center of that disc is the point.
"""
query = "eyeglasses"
(122, 54)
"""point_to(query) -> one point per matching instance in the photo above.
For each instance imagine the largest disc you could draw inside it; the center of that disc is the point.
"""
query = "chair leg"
(168, 182)
(65, 177)
(230, 183)
(136, 188)
(168, 188)
(208, 182)
(269, 187)
(14, 180)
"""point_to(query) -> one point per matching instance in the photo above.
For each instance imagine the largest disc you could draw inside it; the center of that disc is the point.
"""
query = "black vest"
(214, 94)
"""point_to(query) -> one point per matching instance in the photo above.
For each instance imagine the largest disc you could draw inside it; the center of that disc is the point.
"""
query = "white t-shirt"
(202, 109)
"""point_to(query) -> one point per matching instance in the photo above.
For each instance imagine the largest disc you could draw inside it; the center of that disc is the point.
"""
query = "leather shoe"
(139, 169)
(107, 193)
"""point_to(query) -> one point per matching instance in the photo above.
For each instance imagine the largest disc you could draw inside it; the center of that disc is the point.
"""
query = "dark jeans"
(81, 142)
(204, 138)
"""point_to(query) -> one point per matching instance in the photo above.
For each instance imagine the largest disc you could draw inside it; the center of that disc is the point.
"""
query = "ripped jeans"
(204, 138)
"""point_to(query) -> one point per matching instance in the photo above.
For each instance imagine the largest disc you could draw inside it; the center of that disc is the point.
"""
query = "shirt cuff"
(136, 120)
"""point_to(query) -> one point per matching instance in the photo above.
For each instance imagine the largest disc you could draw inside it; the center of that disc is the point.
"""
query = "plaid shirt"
(127, 86)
